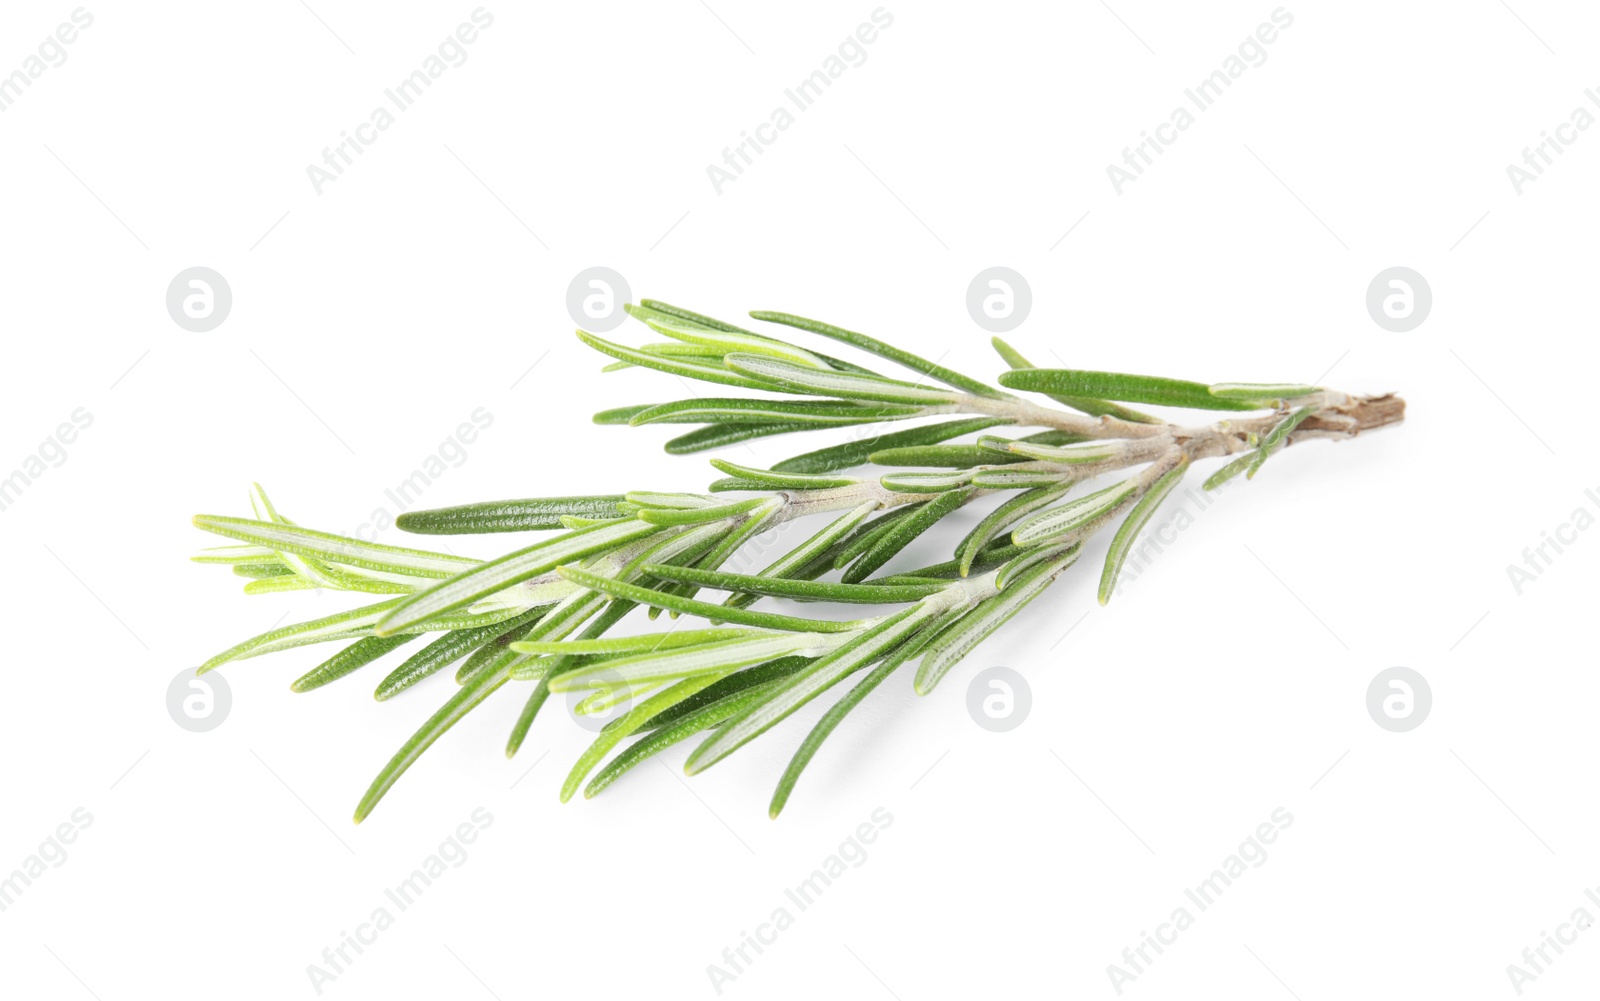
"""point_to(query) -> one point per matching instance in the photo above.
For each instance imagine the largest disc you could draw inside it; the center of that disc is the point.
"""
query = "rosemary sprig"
(536, 618)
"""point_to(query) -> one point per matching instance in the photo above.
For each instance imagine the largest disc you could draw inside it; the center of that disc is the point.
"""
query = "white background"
(371, 319)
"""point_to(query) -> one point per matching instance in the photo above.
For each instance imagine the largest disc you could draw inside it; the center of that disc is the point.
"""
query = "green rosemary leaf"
(839, 710)
(647, 643)
(1229, 471)
(621, 415)
(702, 717)
(530, 514)
(675, 366)
(1261, 392)
(610, 737)
(357, 655)
(812, 558)
(466, 698)
(262, 571)
(660, 309)
(1085, 404)
(1275, 437)
(1073, 516)
(1097, 451)
(729, 410)
(335, 548)
(443, 652)
(997, 520)
(1019, 479)
(1018, 565)
(236, 555)
(717, 435)
(341, 625)
(922, 518)
(487, 578)
(871, 344)
(810, 590)
(843, 385)
(761, 674)
(806, 685)
(1120, 386)
(926, 483)
(669, 516)
(985, 617)
(493, 649)
(766, 479)
(739, 616)
(854, 453)
(730, 342)
(865, 537)
(613, 613)
(310, 569)
(1128, 531)
(962, 456)
(719, 658)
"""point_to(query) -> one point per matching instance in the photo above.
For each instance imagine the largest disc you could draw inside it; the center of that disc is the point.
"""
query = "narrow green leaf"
(732, 410)
(1096, 451)
(1275, 437)
(676, 366)
(924, 517)
(844, 385)
(766, 479)
(1020, 479)
(341, 625)
(646, 643)
(1085, 404)
(660, 308)
(443, 652)
(739, 616)
(871, 344)
(718, 658)
(1073, 516)
(531, 514)
(729, 342)
(1261, 392)
(1229, 471)
(487, 578)
(807, 685)
(985, 617)
(1120, 386)
(614, 611)
(858, 451)
(1128, 531)
(868, 535)
(809, 590)
(926, 483)
(718, 435)
(335, 548)
(997, 520)
(621, 415)
(357, 655)
(611, 736)
(667, 517)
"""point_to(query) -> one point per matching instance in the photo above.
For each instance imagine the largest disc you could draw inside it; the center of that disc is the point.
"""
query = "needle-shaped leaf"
(1073, 516)
(811, 558)
(766, 479)
(998, 519)
(1128, 531)
(871, 344)
(808, 684)
(669, 516)
(443, 652)
(1096, 451)
(844, 385)
(236, 555)
(1120, 386)
(487, 578)
(357, 655)
(1087, 405)
(1275, 437)
(867, 536)
(721, 657)
(649, 307)
(1020, 479)
(962, 456)
(922, 518)
(341, 625)
(730, 410)
(858, 450)
(718, 435)
(686, 367)
(688, 606)
(680, 728)
(729, 342)
(985, 617)
(809, 590)
(531, 514)
(624, 645)
(613, 613)
(612, 736)
(1261, 392)
(335, 548)
(926, 483)
(1229, 471)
